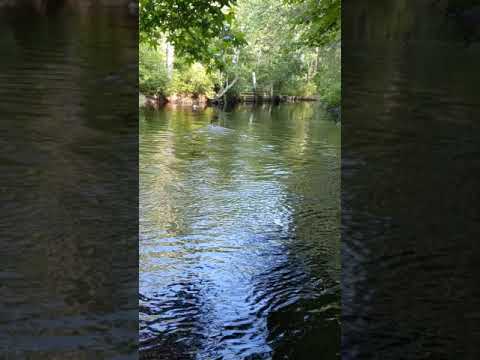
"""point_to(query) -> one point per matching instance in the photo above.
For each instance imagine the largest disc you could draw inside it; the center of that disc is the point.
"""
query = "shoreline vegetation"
(239, 51)
(158, 101)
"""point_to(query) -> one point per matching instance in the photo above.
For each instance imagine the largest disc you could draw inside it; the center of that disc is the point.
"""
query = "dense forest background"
(222, 48)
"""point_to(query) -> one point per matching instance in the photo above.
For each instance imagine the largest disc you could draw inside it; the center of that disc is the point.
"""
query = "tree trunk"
(169, 59)
(227, 87)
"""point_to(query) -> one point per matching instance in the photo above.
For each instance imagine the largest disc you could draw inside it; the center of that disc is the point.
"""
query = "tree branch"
(224, 91)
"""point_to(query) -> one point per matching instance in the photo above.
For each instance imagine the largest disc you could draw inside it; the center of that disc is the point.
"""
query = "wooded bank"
(159, 101)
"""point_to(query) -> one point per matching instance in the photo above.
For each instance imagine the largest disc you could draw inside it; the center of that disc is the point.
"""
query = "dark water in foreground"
(239, 233)
(68, 193)
(410, 189)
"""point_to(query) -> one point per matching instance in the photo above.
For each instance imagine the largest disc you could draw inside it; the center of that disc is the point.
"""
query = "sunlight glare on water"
(239, 232)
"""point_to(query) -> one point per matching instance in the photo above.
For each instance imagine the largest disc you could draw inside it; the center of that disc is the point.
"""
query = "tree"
(189, 25)
(287, 47)
(274, 53)
(318, 21)
(153, 77)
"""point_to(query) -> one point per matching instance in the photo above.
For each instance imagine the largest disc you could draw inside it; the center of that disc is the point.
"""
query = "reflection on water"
(410, 138)
(239, 233)
(68, 277)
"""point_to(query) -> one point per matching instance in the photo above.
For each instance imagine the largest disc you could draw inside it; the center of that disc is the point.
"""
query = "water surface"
(410, 136)
(68, 185)
(239, 233)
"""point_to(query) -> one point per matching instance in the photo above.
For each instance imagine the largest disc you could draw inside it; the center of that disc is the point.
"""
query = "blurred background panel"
(68, 180)
(410, 136)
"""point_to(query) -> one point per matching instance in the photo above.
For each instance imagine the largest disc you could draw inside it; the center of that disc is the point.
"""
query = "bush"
(187, 79)
(307, 89)
(332, 95)
(153, 79)
(328, 78)
(192, 80)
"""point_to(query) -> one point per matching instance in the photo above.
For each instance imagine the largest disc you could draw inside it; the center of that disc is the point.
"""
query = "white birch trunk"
(170, 58)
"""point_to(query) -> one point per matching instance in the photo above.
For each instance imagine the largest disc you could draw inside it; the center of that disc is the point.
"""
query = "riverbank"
(247, 98)
(158, 101)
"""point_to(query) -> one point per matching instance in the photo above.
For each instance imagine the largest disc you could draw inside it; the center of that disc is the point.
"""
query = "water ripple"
(239, 226)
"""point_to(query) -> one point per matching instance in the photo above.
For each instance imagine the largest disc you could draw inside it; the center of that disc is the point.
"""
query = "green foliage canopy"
(189, 25)
(318, 21)
(153, 77)
(194, 80)
(291, 47)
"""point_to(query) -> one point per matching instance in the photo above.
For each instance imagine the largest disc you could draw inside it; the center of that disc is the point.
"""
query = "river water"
(410, 155)
(239, 233)
(68, 185)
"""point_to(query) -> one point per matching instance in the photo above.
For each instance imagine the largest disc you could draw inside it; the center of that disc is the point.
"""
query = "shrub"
(153, 77)
(332, 95)
(192, 80)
